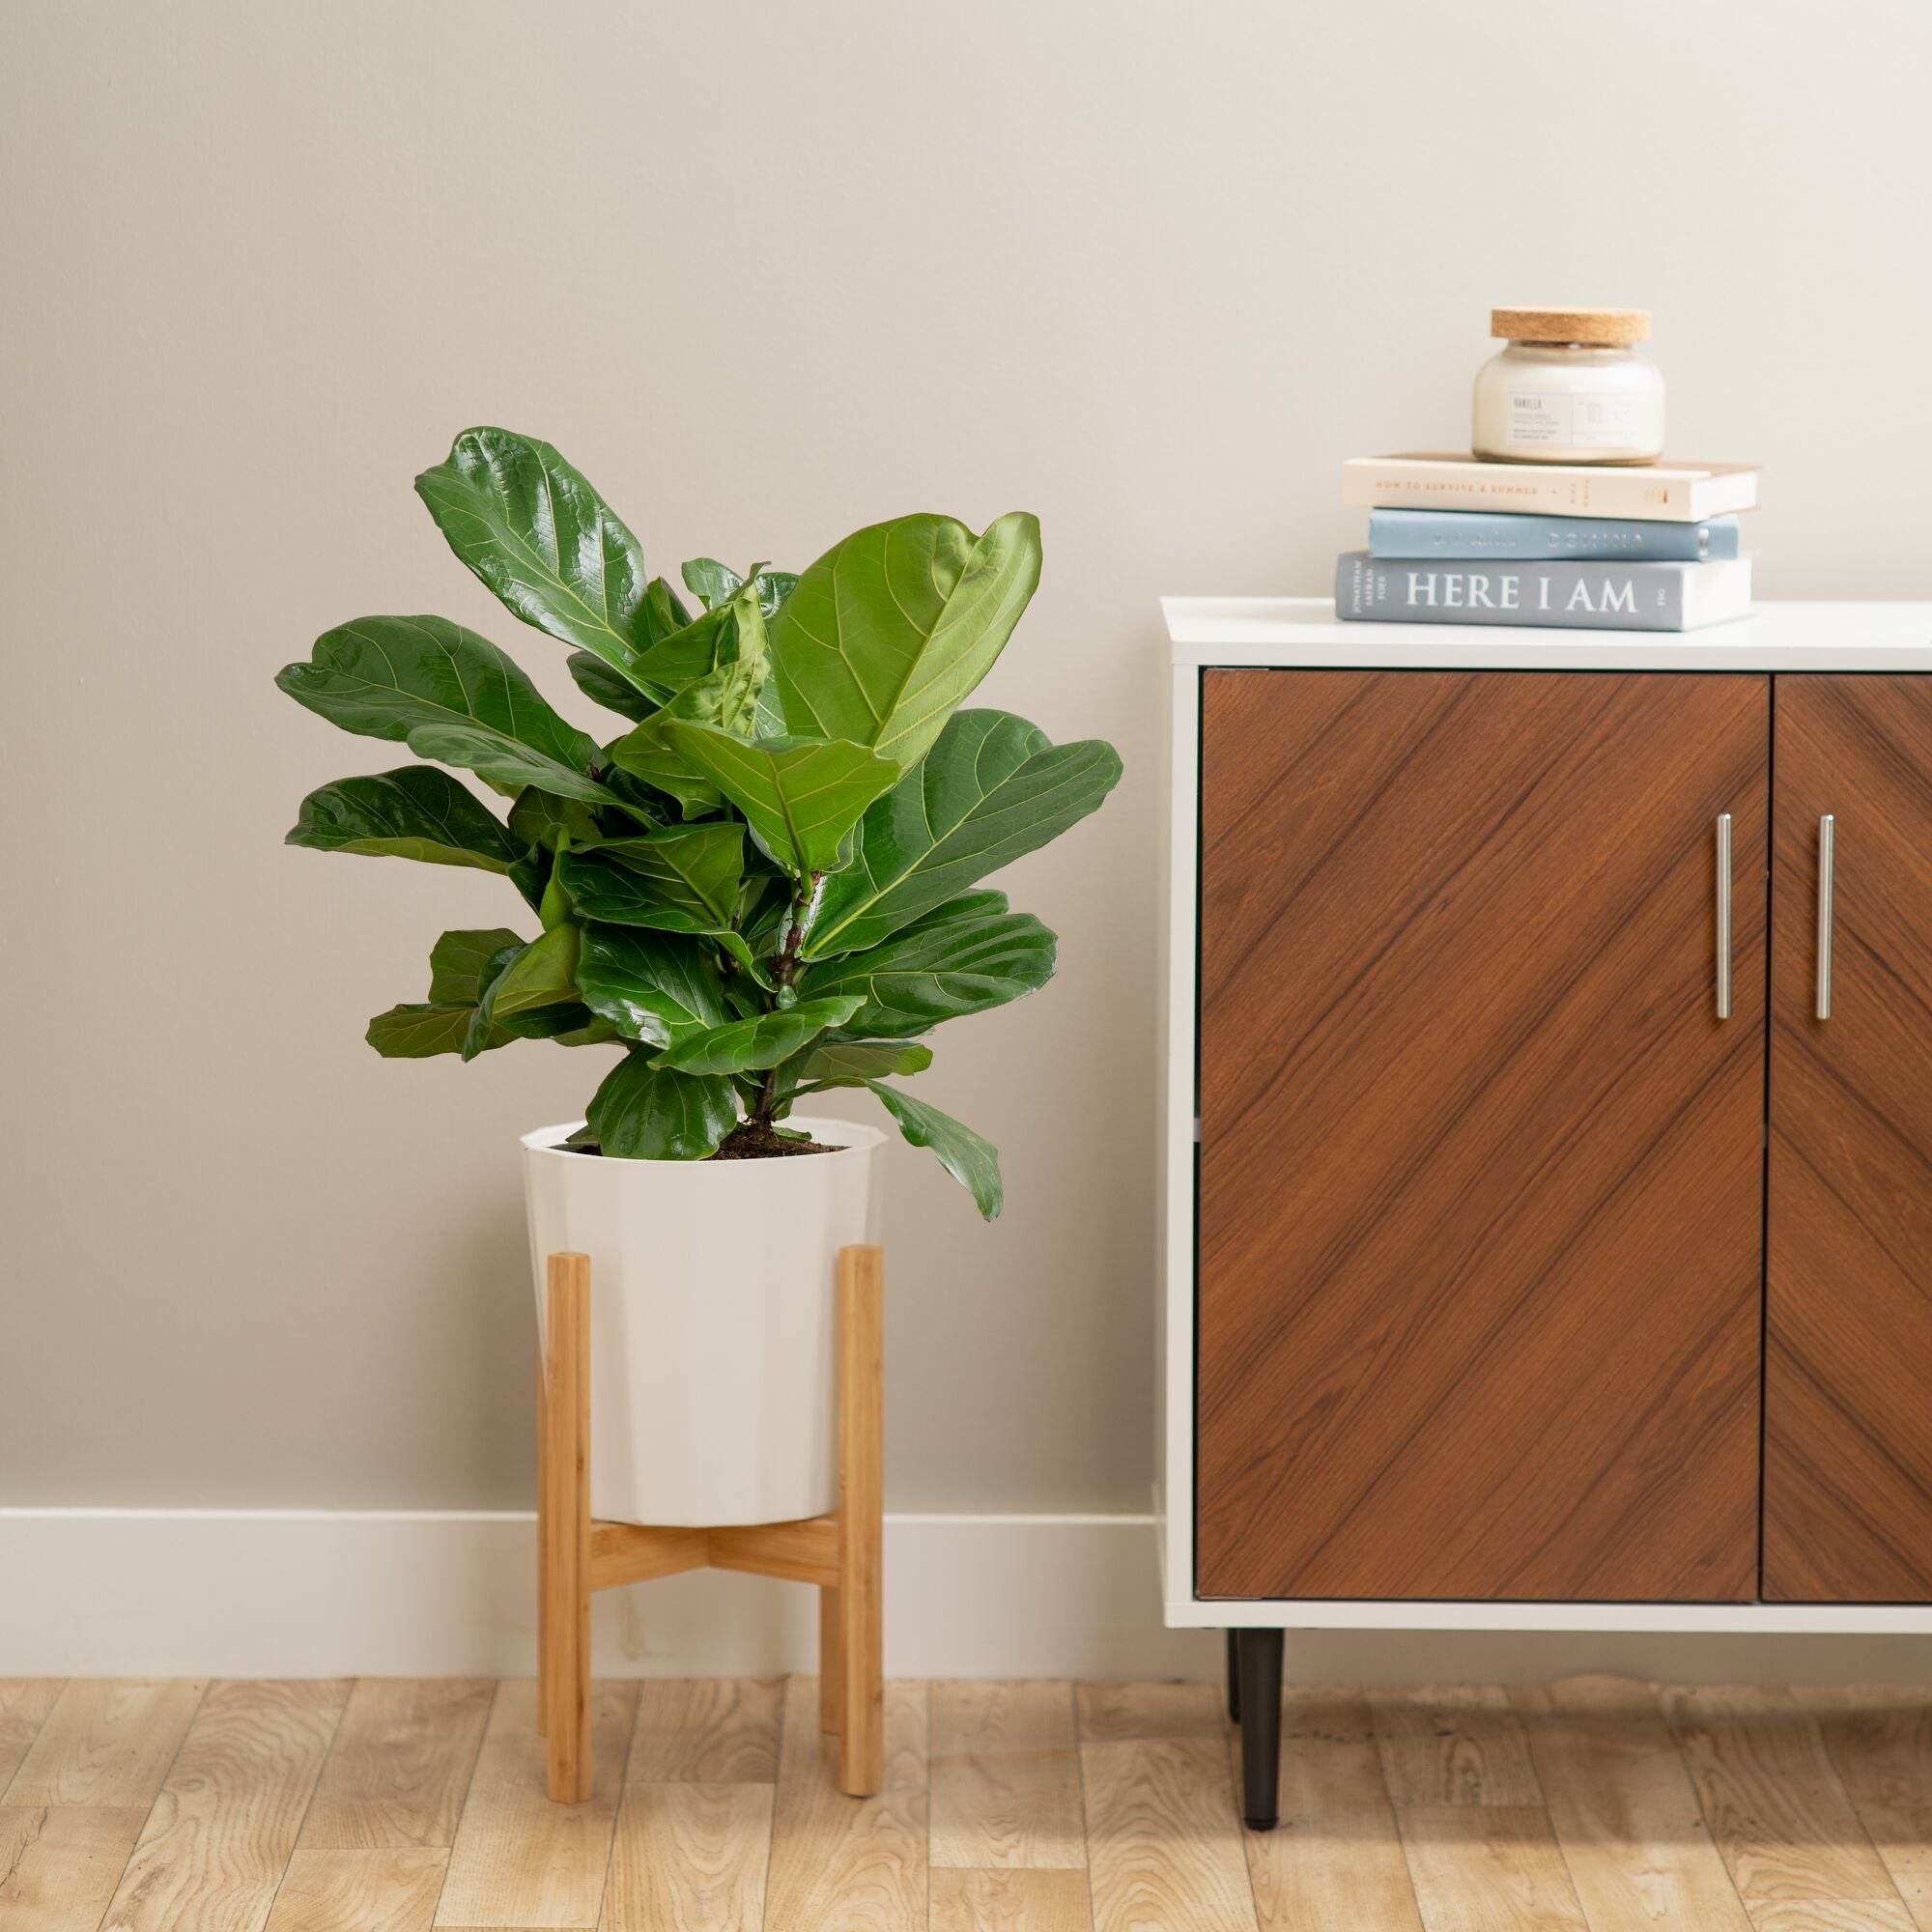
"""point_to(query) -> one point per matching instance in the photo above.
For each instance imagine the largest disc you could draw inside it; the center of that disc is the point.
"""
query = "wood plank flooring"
(387, 1805)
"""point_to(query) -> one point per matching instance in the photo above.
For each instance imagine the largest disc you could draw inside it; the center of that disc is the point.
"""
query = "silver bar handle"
(1723, 915)
(1827, 827)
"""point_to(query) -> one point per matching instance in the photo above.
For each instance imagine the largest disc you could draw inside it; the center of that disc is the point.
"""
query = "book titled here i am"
(1582, 594)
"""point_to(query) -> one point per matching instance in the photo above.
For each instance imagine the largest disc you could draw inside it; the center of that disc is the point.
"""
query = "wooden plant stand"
(839, 1553)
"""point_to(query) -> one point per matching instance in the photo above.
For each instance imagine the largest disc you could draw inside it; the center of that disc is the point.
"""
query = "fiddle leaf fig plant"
(764, 881)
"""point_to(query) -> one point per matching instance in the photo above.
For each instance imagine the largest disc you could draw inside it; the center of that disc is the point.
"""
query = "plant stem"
(798, 924)
(784, 970)
(766, 1111)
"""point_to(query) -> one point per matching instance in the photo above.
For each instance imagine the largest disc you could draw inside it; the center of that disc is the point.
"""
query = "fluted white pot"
(714, 1319)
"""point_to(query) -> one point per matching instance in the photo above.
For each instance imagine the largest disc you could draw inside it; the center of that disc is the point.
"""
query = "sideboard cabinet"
(1548, 1167)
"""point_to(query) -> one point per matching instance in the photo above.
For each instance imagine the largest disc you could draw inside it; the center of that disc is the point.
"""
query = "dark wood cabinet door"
(1848, 1364)
(1481, 1185)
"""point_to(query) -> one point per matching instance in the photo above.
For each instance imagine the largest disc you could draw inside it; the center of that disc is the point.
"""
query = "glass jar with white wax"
(1570, 386)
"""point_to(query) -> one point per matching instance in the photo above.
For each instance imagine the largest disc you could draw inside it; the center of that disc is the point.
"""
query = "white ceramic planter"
(712, 1319)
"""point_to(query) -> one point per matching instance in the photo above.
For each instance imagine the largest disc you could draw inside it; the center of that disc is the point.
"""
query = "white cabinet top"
(1302, 632)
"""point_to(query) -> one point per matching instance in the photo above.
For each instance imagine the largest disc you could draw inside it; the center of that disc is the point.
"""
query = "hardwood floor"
(1593, 1806)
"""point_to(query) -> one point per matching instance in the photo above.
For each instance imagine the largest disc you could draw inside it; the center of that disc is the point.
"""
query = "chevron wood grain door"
(1847, 1398)
(1480, 1174)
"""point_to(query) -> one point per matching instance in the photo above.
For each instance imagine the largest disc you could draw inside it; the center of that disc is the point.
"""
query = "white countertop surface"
(1301, 632)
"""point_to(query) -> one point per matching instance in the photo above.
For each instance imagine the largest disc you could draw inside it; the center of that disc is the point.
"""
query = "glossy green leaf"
(580, 1026)
(645, 1111)
(852, 1062)
(650, 986)
(569, 1022)
(541, 974)
(646, 805)
(728, 694)
(689, 868)
(774, 588)
(530, 875)
(540, 817)
(663, 612)
(616, 894)
(690, 651)
(543, 540)
(415, 813)
(745, 1046)
(609, 688)
(420, 1031)
(458, 962)
(962, 958)
(992, 789)
(803, 798)
(889, 632)
(714, 583)
(645, 756)
(452, 696)
(970, 1158)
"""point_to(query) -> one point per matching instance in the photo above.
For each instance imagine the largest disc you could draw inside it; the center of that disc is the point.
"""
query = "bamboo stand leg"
(858, 1601)
(565, 1667)
(831, 1663)
(543, 1538)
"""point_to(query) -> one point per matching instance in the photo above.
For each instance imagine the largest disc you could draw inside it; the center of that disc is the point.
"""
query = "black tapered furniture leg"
(1258, 1680)
(1233, 1677)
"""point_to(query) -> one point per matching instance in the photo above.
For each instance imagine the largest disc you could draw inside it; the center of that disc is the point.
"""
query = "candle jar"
(1569, 386)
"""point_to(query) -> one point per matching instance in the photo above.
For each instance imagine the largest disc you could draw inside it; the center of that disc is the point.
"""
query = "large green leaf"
(774, 588)
(446, 1024)
(645, 1111)
(802, 797)
(890, 630)
(543, 540)
(541, 974)
(709, 581)
(651, 987)
(707, 578)
(729, 693)
(452, 696)
(727, 682)
(459, 960)
(970, 1158)
(568, 1026)
(645, 804)
(538, 817)
(420, 1031)
(611, 689)
(645, 756)
(962, 958)
(992, 789)
(601, 889)
(690, 651)
(740, 1047)
(415, 813)
(691, 869)
(852, 1062)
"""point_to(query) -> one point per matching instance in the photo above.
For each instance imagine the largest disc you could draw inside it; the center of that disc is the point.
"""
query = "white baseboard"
(321, 1593)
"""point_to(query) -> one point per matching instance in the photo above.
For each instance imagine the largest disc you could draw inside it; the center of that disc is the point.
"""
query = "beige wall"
(765, 273)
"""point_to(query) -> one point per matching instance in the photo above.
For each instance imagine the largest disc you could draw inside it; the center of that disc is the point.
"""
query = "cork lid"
(1600, 327)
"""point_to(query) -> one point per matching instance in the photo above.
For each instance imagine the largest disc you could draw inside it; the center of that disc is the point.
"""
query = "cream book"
(1675, 493)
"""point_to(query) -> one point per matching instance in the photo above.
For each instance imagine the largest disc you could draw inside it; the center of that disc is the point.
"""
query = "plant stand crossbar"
(839, 1553)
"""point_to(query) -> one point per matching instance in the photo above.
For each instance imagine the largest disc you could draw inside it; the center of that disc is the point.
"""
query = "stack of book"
(1634, 548)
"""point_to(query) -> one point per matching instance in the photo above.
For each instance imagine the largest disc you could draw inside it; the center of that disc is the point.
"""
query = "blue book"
(1464, 534)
